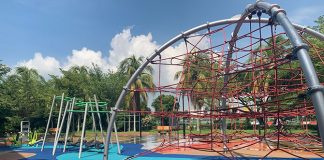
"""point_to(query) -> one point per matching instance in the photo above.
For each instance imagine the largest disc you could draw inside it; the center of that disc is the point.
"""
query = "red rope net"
(267, 107)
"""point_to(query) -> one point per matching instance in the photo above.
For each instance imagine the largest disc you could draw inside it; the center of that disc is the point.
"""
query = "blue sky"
(61, 32)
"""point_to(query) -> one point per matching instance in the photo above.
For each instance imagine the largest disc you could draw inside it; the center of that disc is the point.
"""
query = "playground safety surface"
(129, 150)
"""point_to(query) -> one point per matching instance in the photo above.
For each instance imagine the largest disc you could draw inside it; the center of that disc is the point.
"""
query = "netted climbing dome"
(239, 84)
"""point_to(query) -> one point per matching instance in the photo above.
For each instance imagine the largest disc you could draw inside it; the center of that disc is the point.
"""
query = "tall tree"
(317, 47)
(4, 103)
(27, 95)
(195, 75)
(137, 89)
(166, 106)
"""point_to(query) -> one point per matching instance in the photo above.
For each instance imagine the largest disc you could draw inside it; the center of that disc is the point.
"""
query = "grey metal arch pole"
(315, 89)
(171, 42)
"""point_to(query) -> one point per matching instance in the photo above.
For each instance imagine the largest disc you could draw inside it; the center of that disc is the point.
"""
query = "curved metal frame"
(315, 89)
(278, 16)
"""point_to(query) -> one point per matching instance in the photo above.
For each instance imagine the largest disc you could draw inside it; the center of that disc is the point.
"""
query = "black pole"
(183, 119)
(138, 107)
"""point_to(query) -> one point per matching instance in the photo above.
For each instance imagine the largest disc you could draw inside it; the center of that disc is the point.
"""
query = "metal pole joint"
(184, 36)
(315, 88)
(271, 7)
(208, 26)
(157, 52)
(293, 55)
(125, 88)
(299, 47)
(278, 10)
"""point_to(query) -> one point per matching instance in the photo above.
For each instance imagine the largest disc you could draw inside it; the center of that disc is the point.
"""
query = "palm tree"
(137, 89)
(195, 76)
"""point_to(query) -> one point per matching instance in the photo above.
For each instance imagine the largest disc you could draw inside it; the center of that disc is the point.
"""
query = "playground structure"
(243, 87)
(25, 137)
(240, 69)
(69, 107)
(24, 130)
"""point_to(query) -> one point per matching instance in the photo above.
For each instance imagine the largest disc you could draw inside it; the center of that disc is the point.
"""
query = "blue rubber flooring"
(128, 150)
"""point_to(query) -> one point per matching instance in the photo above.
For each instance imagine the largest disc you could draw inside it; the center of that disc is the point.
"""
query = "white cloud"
(44, 65)
(124, 45)
(50, 65)
(168, 71)
(86, 57)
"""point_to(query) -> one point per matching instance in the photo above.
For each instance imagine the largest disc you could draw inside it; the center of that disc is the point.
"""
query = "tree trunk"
(73, 124)
(198, 124)
(138, 108)
(134, 122)
(183, 119)
(78, 129)
(129, 123)
(124, 122)
(198, 120)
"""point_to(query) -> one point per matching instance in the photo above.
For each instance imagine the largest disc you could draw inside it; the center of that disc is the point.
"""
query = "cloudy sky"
(48, 35)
